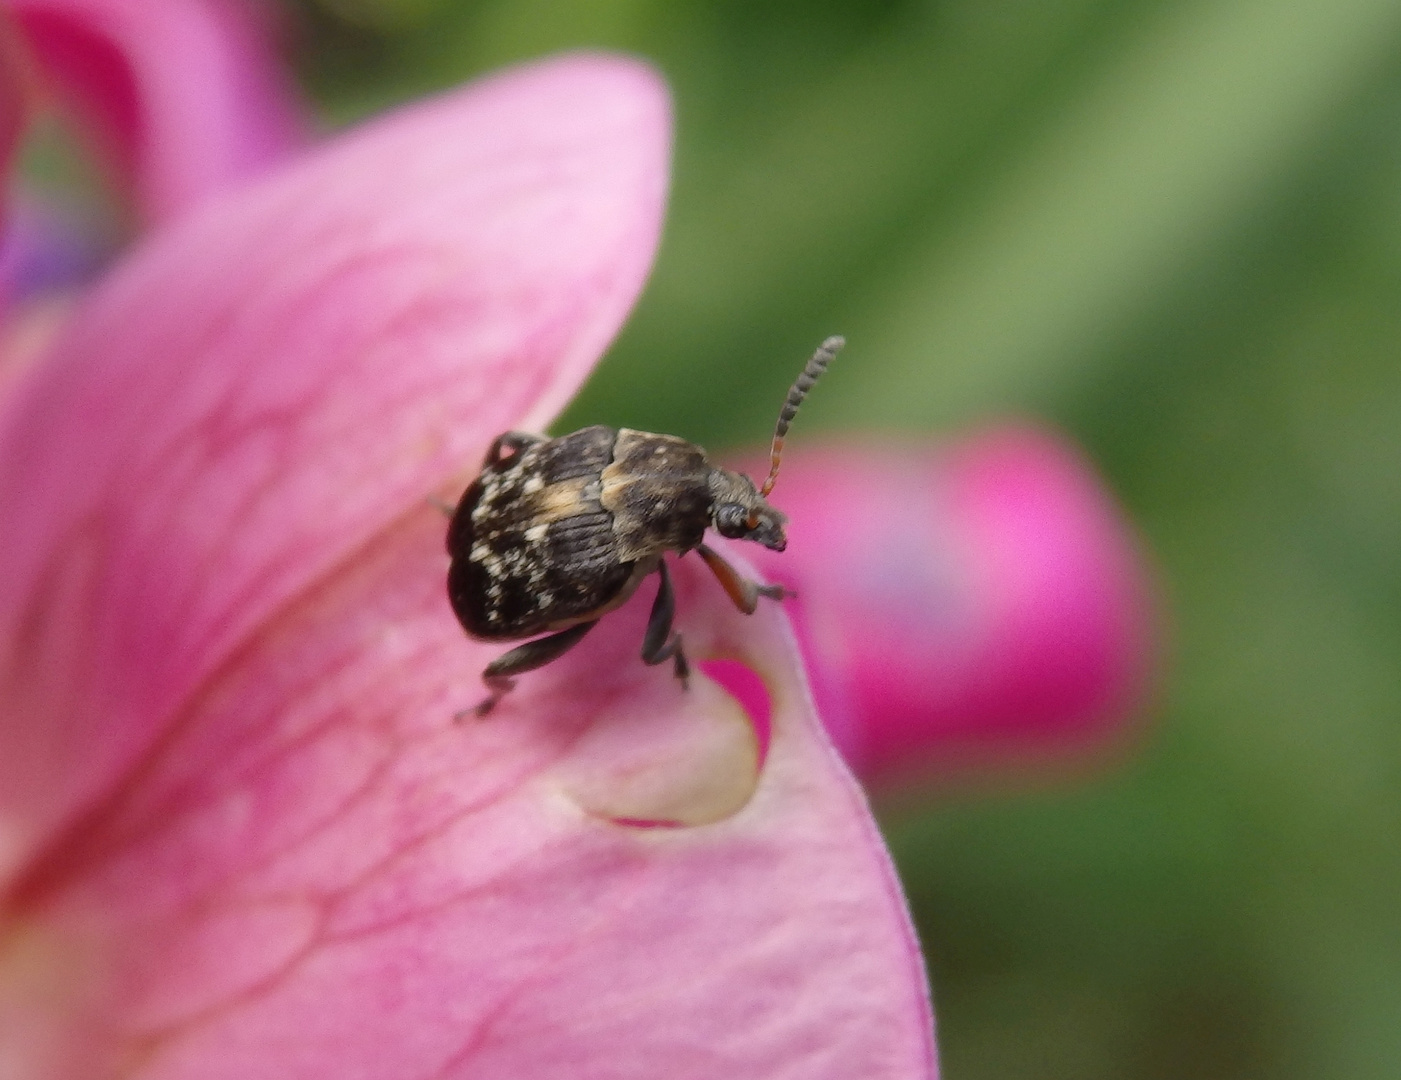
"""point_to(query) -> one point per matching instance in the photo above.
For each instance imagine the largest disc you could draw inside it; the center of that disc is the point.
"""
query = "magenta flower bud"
(974, 603)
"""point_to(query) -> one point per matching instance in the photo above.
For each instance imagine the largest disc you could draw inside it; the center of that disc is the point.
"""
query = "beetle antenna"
(815, 367)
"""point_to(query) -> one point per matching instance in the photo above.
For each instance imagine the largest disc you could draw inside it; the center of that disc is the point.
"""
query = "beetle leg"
(659, 643)
(527, 657)
(741, 590)
(515, 441)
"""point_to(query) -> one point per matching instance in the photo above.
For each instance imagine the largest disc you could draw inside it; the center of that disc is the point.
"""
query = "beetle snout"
(771, 536)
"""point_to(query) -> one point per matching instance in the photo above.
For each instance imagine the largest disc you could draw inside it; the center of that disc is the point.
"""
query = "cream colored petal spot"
(665, 756)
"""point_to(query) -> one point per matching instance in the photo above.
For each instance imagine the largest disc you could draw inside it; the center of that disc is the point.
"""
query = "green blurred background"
(1174, 229)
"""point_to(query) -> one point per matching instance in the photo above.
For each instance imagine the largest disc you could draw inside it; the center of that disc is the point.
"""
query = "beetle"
(555, 533)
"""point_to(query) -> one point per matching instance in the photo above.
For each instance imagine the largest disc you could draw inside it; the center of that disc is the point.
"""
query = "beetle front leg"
(533, 654)
(740, 589)
(659, 643)
(515, 441)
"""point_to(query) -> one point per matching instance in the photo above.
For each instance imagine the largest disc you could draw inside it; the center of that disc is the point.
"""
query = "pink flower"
(978, 604)
(240, 834)
(179, 97)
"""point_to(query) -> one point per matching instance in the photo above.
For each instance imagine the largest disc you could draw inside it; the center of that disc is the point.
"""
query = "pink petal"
(258, 391)
(319, 874)
(974, 604)
(181, 96)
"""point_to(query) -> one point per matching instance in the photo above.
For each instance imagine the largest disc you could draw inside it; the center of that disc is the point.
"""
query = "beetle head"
(741, 513)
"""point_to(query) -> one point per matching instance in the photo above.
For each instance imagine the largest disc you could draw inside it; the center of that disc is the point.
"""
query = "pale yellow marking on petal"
(677, 757)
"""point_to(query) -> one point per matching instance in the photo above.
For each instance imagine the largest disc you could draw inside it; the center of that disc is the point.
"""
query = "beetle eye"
(731, 520)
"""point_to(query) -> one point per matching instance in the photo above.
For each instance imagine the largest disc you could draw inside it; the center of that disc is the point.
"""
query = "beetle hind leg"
(498, 675)
(510, 441)
(659, 644)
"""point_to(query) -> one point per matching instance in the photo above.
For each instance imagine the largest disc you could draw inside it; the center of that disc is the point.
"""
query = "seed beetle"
(556, 533)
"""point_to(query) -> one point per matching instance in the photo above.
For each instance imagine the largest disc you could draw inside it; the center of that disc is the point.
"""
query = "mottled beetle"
(556, 533)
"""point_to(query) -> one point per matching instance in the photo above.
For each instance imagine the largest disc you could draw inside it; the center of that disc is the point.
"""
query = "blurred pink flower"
(239, 834)
(976, 604)
(179, 97)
